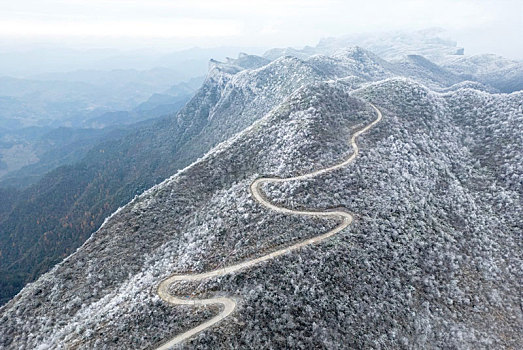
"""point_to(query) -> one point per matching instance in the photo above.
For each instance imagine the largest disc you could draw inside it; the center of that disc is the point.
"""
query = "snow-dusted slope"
(188, 223)
(431, 260)
(233, 96)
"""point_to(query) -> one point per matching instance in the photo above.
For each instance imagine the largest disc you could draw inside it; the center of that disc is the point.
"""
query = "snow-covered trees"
(432, 258)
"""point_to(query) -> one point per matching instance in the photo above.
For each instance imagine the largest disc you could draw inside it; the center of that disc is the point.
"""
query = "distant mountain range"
(28, 152)
(76, 99)
(431, 260)
(500, 73)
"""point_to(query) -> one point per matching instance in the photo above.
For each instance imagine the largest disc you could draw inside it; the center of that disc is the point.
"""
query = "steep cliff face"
(431, 259)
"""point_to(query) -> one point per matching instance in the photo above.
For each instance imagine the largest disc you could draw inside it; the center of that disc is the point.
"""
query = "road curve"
(228, 304)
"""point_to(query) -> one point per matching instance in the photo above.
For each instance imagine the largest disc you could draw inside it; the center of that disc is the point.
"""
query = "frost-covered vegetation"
(431, 260)
(199, 219)
(52, 218)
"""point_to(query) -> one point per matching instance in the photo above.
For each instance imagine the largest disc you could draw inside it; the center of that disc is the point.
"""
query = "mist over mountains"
(432, 258)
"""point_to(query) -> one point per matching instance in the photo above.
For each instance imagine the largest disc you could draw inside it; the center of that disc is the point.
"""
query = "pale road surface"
(229, 304)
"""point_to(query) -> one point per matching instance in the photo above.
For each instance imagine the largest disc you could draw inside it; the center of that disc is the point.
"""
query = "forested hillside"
(32, 152)
(431, 260)
(57, 214)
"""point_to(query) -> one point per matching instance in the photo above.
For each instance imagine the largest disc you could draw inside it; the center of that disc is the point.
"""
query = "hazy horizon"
(163, 26)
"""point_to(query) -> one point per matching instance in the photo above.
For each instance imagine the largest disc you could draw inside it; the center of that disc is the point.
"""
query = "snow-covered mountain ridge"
(502, 74)
(431, 259)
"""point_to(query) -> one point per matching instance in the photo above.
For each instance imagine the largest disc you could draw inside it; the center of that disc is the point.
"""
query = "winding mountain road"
(229, 304)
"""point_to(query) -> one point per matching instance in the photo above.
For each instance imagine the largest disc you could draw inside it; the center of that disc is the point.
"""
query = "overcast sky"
(478, 25)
